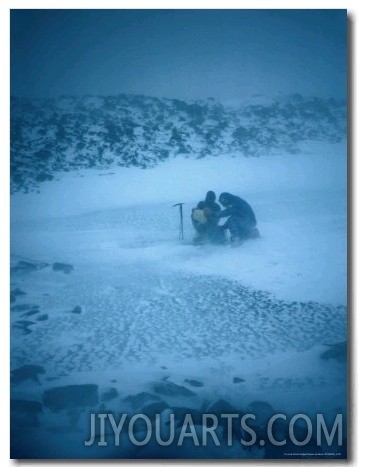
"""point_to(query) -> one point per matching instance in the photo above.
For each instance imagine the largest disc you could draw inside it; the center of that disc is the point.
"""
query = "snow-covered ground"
(140, 307)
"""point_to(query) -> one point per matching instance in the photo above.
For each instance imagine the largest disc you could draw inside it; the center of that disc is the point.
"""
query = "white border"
(358, 13)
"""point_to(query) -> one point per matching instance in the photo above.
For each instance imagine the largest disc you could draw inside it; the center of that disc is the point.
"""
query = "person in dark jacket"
(241, 222)
(205, 219)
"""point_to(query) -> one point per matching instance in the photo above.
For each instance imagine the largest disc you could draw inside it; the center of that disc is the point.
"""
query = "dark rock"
(43, 154)
(30, 313)
(166, 388)
(194, 383)
(181, 412)
(24, 329)
(221, 406)
(43, 176)
(63, 267)
(269, 129)
(24, 413)
(28, 266)
(24, 307)
(25, 406)
(24, 266)
(336, 352)
(24, 326)
(151, 410)
(26, 372)
(23, 322)
(44, 317)
(69, 397)
(262, 410)
(141, 399)
(237, 380)
(15, 293)
(77, 310)
(108, 395)
(204, 406)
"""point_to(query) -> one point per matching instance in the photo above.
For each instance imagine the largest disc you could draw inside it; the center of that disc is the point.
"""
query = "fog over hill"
(68, 133)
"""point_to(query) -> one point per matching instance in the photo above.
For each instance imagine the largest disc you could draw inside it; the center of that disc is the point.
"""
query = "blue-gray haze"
(185, 54)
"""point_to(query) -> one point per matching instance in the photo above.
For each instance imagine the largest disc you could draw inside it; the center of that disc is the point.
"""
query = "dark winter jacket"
(236, 207)
(212, 211)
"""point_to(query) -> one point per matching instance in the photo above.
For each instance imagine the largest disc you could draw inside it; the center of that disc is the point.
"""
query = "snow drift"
(105, 298)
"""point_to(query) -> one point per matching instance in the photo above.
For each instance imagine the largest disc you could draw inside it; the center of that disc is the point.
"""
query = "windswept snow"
(139, 306)
(300, 203)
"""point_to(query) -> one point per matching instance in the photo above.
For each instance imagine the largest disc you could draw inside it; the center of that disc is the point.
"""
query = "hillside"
(69, 133)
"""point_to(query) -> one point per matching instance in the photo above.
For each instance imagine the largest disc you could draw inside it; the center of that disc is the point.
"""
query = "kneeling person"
(205, 219)
(241, 222)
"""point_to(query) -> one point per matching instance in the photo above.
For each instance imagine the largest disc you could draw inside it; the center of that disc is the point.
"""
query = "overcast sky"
(188, 54)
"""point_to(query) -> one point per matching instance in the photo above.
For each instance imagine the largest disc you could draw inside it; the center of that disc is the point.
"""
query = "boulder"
(166, 388)
(24, 414)
(237, 380)
(336, 352)
(27, 266)
(194, 383)
(72, 396)
(108, 395)
(141, 399)
(63, 267)
(15, 293)
(26, 372)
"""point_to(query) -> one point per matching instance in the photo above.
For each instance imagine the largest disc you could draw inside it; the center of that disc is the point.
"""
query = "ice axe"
(181, 235)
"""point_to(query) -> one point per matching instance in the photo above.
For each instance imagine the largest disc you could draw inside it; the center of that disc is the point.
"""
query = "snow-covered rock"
(49, 136)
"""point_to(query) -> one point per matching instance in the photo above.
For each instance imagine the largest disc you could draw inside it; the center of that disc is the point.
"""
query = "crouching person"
(205, 219)
(241, 222)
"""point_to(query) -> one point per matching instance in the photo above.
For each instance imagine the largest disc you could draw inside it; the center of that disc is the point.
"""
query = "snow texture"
(111, 312)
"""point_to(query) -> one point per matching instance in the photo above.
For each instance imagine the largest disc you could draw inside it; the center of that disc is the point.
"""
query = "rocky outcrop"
(49, 136)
